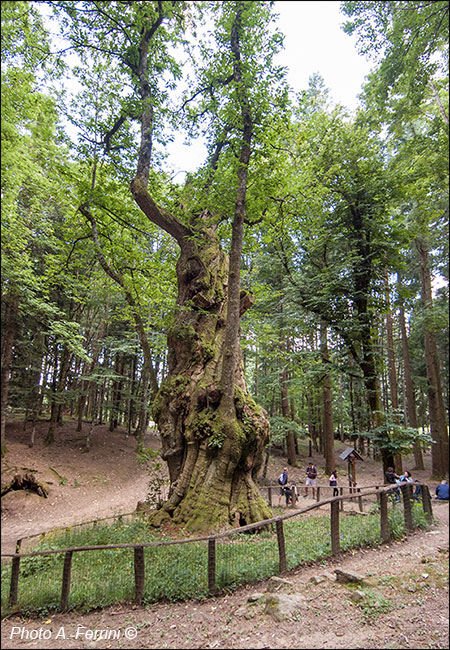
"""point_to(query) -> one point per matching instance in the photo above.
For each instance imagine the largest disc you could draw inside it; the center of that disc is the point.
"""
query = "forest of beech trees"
(294, 288)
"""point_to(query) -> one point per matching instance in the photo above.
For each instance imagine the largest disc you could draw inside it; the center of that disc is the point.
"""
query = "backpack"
(312, 472)
(280, 479)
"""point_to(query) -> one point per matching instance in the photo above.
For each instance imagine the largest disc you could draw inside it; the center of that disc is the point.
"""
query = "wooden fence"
(335, 503)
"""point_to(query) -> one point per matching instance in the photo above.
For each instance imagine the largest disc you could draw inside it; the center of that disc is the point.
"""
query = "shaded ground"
(107, 480)
(407, 583)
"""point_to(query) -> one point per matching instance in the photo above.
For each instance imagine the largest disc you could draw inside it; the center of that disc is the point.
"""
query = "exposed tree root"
(25, 481)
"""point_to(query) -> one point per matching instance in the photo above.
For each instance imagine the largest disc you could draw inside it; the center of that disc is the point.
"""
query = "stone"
(328, 576)
(282, 607)
(315, 580)
(357, 596)
(254, 597)
(279, 584)
(348, 576)
(245, 612)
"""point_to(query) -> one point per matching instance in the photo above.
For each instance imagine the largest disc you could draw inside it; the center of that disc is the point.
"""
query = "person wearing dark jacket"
(282, 480)
(311, 479)
(391, 479)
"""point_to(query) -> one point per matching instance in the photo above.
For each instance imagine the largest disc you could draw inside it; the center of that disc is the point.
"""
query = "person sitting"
(288, 494)
(391, 479)
(294, 495)
(418, 491)
(442, 491)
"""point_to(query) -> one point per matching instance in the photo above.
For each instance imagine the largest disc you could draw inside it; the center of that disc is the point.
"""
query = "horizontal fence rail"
(336, 503)
(354, 492)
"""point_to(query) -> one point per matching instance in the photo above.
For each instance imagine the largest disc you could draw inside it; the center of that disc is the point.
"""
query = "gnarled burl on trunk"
(213, 456)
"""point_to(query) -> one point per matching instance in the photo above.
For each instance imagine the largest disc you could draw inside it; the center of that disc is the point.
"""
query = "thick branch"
(158, 215)
(234, 303)
(145, 151)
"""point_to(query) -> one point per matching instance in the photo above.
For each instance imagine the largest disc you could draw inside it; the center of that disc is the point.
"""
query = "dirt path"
(406, 582)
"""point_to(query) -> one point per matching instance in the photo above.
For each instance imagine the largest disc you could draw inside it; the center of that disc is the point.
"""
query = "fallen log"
(25, 481)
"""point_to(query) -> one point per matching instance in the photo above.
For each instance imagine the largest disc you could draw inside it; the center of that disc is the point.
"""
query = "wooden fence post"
(66, 581)
(269, 496)
(360, 502)
(334, 523)
(384, 523)
(14, 587)
(139, 574)
(281, 546)
(341, 503)
(318, 494)
(407, 511)
(426, 503)
(212, 565)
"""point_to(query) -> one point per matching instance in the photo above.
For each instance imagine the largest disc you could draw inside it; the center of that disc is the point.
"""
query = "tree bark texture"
(328, 433)
(213, 456)
(213, 433)
(393, 384)
(409, 389)
(438, 426)
(11, 308)
(285, 407)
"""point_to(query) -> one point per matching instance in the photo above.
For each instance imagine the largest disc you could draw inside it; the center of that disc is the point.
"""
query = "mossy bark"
(213, 434)
(213, 457)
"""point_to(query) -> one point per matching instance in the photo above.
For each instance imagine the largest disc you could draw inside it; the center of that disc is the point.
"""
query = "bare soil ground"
(406, 582)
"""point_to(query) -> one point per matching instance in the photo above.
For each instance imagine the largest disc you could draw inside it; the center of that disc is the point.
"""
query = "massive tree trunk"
(213, 433)
(213, 454)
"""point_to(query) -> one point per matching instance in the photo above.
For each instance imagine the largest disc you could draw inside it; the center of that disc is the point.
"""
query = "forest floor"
(407, 581)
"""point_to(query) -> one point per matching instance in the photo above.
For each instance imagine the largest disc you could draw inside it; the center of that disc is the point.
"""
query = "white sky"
(314, 42)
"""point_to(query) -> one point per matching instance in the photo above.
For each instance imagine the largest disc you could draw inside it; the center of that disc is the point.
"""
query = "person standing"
(333, 483)
(311, 480)
(282, 480)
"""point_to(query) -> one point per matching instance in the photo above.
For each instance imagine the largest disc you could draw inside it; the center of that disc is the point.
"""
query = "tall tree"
(213, 433)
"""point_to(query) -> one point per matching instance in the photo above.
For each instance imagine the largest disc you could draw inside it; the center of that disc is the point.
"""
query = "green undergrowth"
(179, 571)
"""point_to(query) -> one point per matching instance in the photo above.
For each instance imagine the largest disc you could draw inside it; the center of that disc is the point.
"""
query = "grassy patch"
(374, 604)
(179, 571)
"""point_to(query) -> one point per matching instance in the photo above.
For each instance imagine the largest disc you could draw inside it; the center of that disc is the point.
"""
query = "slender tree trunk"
(285, 410)
(59, 383)
(374, 400)
(409, 388)
(113, 418)
(85, 384)
(328, 429)
(393, 384)
(438, 425)
(9, 329)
